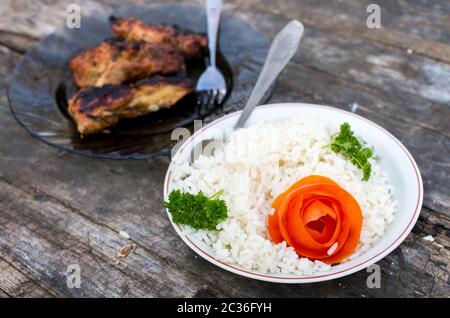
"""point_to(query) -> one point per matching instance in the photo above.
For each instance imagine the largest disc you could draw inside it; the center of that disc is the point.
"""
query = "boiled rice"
(254, 166)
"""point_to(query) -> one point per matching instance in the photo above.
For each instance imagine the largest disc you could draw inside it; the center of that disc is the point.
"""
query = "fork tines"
(207, 100)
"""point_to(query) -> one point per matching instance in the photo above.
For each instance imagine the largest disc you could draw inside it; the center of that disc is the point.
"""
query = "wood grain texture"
(405, 25)
(58, 209)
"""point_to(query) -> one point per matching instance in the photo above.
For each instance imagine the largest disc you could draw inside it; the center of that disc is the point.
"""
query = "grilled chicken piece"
(96, 108)
(191, 45)
(119, 62)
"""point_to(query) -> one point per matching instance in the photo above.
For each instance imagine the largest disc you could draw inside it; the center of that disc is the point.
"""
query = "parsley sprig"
(197, 210)
(346, 143)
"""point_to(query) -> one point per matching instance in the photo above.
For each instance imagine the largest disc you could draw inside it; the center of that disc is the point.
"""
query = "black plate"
(42, 82)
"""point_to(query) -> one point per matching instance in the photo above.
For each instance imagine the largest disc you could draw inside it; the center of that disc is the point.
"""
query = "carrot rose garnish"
(318, 218)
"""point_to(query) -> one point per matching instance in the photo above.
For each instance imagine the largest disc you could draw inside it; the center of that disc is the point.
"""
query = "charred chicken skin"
(119, 62)
(96, 108)
(190, 44)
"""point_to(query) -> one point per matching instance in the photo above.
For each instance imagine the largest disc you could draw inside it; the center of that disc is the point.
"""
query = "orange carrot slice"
(318, 218)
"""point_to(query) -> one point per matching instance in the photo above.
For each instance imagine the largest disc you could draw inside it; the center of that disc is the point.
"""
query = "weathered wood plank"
(19, 43)
(405, 25)
(4, 295)
(362, 61)
(348, 18)
(58, 208)
(47, 237)
(391, 71)
(39, 18)
(49, 16)
(16, 281)
(442, 6)
(409, 17)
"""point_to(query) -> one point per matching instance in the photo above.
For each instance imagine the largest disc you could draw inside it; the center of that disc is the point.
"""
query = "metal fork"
(211, 87)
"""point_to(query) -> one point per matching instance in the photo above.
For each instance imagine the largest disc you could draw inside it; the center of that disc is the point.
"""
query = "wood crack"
(95, 256)
(352, 35)
(30, 278)
(16, 42)
(6, 293)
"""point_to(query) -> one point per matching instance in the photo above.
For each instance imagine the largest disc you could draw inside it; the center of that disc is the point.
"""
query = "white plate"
(395, 160)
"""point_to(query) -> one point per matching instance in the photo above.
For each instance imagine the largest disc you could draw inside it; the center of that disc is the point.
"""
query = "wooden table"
(58, 209)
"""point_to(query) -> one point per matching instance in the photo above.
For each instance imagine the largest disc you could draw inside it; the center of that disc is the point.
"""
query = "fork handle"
(213, 8)
(283, 47)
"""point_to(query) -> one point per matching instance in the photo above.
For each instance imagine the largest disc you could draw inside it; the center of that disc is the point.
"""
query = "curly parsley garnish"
(351, 147)
(198, 211)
